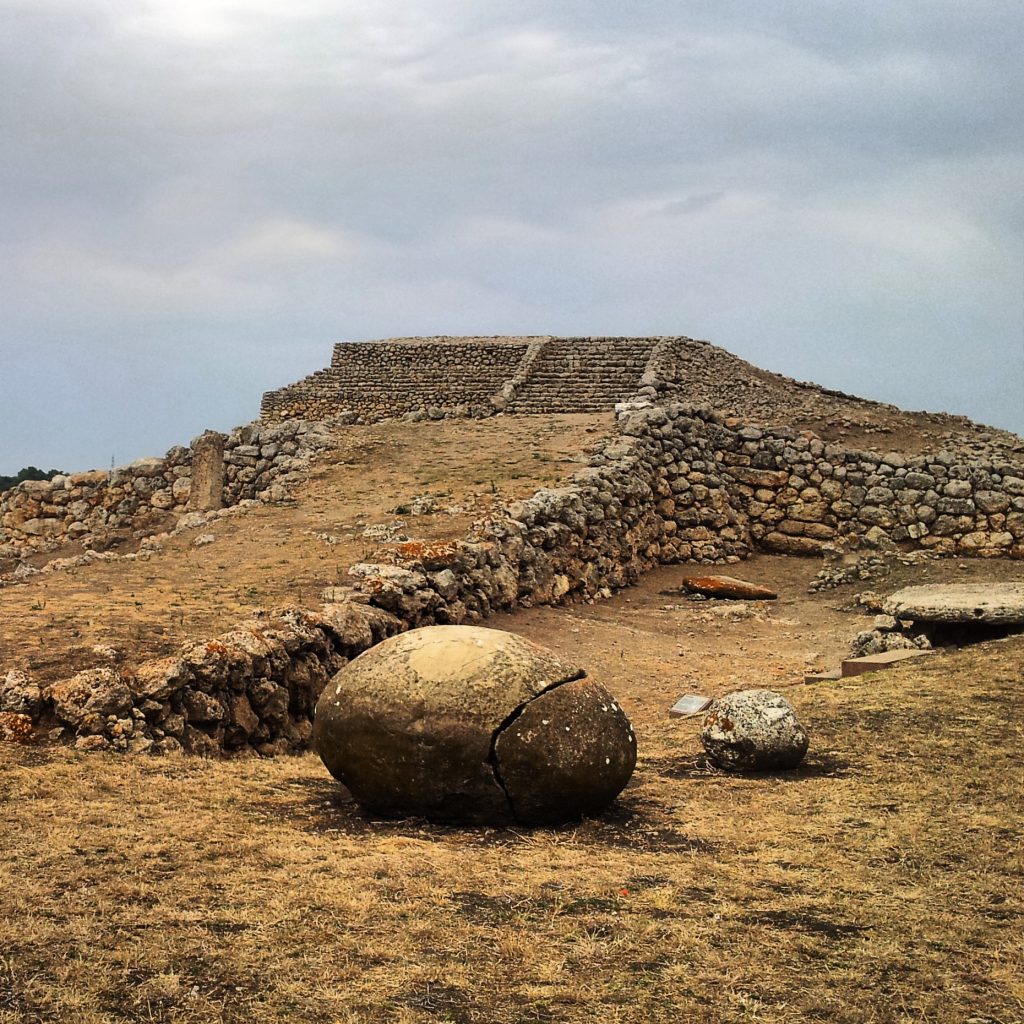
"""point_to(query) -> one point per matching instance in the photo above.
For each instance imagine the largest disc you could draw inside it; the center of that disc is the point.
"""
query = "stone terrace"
(474, 376)
(413, 373)
(436, 377)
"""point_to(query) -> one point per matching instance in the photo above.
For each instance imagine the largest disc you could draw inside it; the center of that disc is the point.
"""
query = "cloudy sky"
(198, 197)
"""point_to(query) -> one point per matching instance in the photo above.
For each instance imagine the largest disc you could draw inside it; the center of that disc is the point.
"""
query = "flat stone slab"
(824, 677)
(876, 662)
(690, 704)
(728, 587)
(991, 604)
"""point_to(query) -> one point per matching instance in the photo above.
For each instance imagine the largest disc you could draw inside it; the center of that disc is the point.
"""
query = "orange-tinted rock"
(728, 587)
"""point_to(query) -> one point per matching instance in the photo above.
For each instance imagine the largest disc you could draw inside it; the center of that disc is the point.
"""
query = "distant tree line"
(28, 473)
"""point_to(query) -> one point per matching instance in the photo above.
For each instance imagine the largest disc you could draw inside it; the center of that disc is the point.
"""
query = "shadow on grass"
(632, 822)
(821, 765)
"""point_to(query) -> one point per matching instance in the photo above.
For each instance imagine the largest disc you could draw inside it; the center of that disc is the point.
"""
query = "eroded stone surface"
(87, 698)
(415, 726)
(994, 604)
(19, 695)
(571, 747)
(753, 730)
(206, 490)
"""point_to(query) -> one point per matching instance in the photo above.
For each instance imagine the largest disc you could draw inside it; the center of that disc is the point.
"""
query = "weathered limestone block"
(989, 604)
(207, 488)
(754, 730)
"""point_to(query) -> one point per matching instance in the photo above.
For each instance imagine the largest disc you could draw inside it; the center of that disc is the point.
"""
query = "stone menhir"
(464, 724)
(207, 492)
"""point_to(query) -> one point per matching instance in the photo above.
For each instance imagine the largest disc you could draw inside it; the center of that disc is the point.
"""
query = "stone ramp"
(583, 375)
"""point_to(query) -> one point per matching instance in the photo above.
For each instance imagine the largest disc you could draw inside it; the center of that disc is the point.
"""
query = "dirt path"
(656, 646)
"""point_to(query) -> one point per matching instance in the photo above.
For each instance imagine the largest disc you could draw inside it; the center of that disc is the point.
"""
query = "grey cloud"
(198, 198)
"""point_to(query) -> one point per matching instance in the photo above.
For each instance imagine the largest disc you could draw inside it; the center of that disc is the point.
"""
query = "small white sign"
(690, 704)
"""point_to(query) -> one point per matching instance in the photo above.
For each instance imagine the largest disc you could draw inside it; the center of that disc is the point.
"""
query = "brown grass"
(288, 554)
(880, 882)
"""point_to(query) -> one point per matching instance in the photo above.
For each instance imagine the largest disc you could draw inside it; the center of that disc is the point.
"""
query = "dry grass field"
(277, 555)
(882, 881)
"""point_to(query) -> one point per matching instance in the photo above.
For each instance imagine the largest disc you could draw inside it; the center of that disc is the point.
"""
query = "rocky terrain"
(228, 648)
(184, 889)
(884, 872)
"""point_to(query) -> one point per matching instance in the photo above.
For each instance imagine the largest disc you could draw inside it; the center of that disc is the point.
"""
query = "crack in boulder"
(492, 758)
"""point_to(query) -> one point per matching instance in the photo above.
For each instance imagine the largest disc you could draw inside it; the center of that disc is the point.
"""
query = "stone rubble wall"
(250, 690)
(253, 689)
(260, 461)
(798, 494)
(685, 484)
(654, 494)
(674, 484)
(392, 378)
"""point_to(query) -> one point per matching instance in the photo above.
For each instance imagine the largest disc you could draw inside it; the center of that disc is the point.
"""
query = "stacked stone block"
(375, 380)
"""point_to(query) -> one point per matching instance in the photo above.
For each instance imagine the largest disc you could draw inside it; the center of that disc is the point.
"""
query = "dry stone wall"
(254, 688)
(684, 484)
(674, 484)
(798, 494)
(40, 516)
(250, 690)
(255, 462)
(467, 376)
(379, 379)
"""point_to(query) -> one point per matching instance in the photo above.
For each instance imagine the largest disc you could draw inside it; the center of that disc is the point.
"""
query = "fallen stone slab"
(824, 677)
(729, 588)
(876, 662)
(991, 604)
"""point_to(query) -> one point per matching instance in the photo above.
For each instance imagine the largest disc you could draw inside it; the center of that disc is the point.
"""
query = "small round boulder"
(464, 724)
(753, 730)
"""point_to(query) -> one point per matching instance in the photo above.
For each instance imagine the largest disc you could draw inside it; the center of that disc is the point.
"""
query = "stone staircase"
(583, 375)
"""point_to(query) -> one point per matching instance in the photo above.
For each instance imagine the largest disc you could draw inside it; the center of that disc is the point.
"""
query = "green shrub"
(28, 473)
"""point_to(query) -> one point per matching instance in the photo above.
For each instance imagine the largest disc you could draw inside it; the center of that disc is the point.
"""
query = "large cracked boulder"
(753, 730)
(464, 724)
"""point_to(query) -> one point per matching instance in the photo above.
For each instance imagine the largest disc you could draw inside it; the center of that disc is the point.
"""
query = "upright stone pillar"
(207, 472)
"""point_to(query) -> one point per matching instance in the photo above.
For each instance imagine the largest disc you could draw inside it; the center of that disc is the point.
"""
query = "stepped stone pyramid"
(479, 376)
(473, 374)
